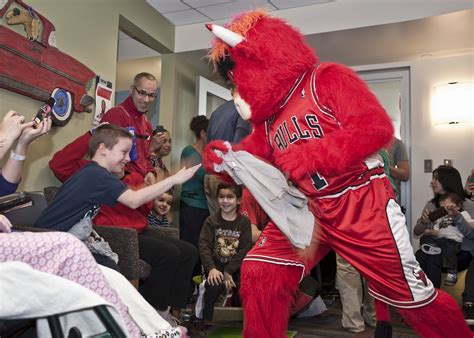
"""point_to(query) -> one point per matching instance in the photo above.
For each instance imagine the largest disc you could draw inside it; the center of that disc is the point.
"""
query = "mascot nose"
(226, 35)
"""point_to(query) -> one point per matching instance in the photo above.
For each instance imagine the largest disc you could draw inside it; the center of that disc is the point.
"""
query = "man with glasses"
(131, 114)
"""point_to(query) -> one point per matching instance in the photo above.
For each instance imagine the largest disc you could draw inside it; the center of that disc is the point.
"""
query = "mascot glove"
(212, 156)
(293, 163)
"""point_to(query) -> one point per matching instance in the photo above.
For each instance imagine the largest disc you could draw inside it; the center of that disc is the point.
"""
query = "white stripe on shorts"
(419, 285)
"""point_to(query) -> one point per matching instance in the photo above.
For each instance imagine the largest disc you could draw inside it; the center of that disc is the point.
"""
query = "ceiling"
(187, 12)
(441, 35)
(432, 36)
(435, 36)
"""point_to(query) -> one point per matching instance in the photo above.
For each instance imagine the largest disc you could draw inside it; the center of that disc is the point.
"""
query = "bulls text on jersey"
(304, 129)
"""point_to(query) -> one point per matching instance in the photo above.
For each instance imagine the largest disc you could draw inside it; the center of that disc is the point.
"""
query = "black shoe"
(469, 313)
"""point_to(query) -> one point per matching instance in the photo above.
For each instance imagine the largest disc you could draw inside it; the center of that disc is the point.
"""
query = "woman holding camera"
(446, 179)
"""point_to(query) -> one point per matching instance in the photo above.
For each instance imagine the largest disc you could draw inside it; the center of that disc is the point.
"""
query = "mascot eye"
(224, 66)
(16, 12)
(230, 76)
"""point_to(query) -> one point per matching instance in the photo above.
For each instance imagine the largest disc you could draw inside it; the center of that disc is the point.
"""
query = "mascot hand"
(212, 155)
(292, 163)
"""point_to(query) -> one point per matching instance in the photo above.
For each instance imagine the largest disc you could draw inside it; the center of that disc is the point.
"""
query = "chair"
(124, 242)
(29, 206)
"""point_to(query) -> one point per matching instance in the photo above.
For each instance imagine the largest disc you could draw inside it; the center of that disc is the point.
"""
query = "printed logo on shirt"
(227, 242)
(420, 275)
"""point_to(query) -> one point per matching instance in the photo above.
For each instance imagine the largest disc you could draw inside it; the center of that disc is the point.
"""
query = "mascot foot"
(308, 289)
(438, 319)
(383, 330)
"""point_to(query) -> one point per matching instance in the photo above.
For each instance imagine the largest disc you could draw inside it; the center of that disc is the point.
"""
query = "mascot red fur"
(321, 125)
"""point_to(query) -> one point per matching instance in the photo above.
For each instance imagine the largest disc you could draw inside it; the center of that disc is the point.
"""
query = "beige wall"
(429, 141)
(178, 102)
(437, 142)
(88, 31)
(127, 69)
(177, 107)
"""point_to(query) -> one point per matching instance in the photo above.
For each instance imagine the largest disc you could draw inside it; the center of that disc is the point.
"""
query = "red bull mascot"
(321, 125)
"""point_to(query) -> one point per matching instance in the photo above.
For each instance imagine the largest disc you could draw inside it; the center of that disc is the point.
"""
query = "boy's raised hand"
(185, 174)
(215, 277)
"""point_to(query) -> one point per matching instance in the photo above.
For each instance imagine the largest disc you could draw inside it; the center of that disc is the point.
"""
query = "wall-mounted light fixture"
(453, 103)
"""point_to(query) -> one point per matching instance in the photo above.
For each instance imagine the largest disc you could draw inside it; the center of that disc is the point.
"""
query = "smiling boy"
(225, 239)
(80, 197)
(160, 214)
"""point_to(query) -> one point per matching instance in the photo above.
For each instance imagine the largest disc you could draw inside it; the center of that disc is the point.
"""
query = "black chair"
(23, 208)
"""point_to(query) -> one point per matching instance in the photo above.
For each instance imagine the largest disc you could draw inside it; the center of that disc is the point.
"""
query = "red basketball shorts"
(366, 227)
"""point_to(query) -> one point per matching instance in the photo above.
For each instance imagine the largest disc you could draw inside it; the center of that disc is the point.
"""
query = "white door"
(392, 88)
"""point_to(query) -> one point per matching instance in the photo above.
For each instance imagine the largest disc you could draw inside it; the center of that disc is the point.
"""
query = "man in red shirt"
(131, 113)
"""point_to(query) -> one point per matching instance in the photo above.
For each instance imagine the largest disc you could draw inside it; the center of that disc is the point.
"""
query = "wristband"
(17, 157)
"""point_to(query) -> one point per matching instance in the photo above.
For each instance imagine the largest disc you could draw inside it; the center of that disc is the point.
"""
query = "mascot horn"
(321, 125)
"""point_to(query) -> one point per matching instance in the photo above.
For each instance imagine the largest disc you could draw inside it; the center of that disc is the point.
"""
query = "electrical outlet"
(428, 166)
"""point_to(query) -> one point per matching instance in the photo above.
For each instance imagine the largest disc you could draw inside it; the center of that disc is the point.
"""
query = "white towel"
(284, 204)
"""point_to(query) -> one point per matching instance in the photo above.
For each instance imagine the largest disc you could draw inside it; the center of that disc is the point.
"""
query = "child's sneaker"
(451, 278)
(469, 313)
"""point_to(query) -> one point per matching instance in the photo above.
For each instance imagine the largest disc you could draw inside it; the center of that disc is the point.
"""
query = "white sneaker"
(430, 249)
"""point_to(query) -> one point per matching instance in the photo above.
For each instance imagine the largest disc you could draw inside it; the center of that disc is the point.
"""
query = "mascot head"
(263, 57)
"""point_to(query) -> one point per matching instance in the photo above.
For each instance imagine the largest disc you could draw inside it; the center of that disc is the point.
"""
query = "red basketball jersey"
(302, 118)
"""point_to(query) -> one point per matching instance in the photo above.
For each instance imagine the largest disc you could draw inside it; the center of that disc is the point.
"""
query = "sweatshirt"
(224, 243)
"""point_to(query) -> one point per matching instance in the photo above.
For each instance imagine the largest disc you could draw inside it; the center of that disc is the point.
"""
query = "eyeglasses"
(143, 93)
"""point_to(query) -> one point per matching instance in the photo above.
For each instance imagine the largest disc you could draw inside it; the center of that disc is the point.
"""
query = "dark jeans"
(191, 220)
(172, 262)
(449, 252)
(432, 265)
(106, 261)
(212, 292)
